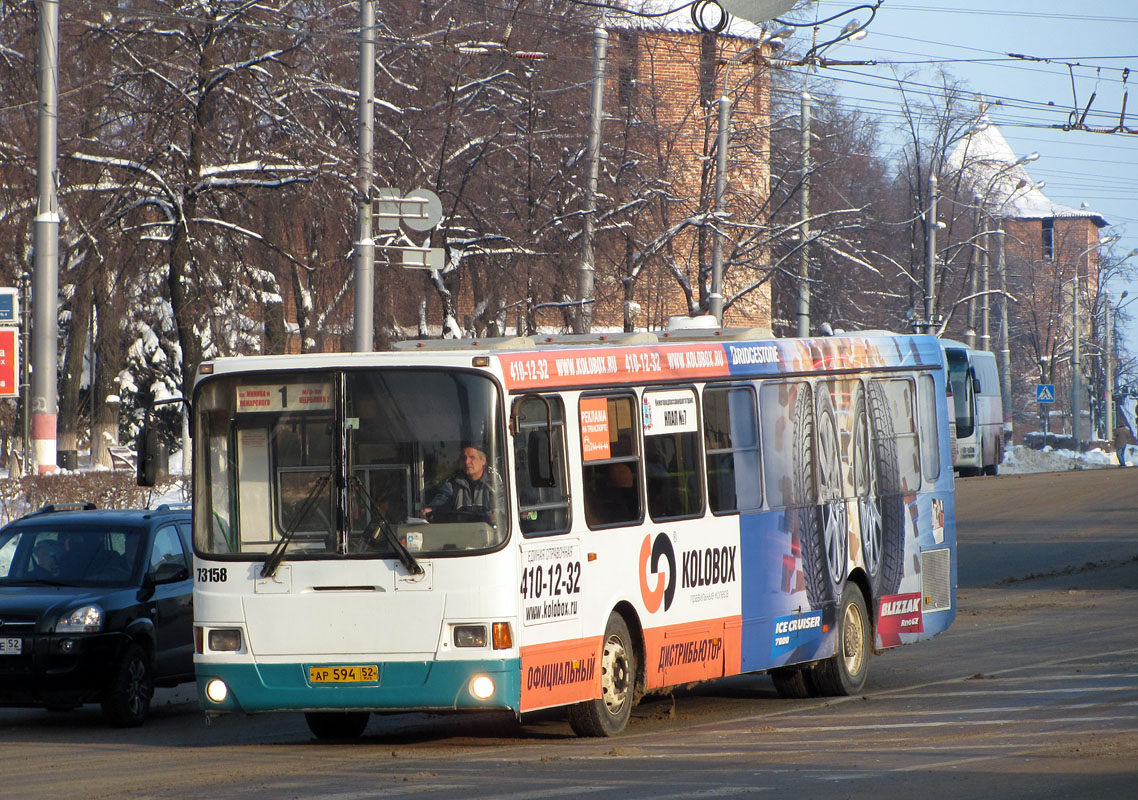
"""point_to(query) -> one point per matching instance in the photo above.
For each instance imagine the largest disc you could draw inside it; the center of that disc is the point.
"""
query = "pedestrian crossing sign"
(1045, 393)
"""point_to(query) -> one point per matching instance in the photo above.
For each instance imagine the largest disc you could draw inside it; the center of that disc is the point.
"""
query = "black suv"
(95, 606)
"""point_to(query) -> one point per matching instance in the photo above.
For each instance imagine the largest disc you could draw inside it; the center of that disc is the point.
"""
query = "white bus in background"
(975, 384)
(669, 509)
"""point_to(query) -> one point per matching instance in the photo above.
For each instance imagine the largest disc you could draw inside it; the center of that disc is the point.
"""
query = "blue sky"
(973, 40)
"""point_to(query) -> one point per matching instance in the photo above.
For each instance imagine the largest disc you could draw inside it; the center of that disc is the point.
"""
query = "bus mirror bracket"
(150, 450)
(539, 448)
(540, 459)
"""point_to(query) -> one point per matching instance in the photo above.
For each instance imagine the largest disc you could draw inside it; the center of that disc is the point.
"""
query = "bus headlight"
(225, 640)
(216, 690)
(469, 635)
(482, 687)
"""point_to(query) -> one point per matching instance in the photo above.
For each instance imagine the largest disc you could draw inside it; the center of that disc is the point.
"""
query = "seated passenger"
(616, 498)
(47, 561)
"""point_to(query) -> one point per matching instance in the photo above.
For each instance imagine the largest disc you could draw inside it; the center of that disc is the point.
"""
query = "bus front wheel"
(336, 724)
(608, 714)
(844, 673)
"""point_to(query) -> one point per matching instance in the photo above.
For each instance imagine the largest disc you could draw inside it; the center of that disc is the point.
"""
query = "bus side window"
(899, 397)
(610, 468)
(786, 412)
(671, 454)
(543, 508)
(731, 441)
(930, 445)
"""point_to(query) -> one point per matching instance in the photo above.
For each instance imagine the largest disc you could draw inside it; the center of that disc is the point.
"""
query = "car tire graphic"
(823, 528)
(880, 504)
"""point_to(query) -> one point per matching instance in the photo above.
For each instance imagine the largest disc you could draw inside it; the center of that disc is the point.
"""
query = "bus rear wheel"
(608, 714)
(336, 724)
(793, 682)
(844, 673)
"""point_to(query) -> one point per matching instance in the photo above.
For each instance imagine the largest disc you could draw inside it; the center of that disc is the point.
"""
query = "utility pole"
(583, 319)
(930, 256)
(1005, 345)
(986, 304)
(804, 226)
(25, 282)
(1076, 366)
(45, 290)
(1108, 359)
(363, 325)
(715, 298)
(974, 278)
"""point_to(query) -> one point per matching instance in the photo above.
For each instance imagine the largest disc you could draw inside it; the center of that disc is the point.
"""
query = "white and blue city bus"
(974, 381)
(664, 508)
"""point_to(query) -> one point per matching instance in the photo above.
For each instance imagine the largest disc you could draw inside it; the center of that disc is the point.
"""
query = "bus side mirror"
(975, 384)
(146, 473)
(540, 460)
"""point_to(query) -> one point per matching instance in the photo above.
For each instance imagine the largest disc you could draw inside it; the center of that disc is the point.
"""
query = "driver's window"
(301, 453)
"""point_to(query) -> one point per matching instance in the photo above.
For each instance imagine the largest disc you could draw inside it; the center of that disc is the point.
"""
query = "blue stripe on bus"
(403, 686)
(765, 540)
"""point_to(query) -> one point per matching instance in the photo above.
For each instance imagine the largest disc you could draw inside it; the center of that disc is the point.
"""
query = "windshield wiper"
(269, 569)
(381, 525)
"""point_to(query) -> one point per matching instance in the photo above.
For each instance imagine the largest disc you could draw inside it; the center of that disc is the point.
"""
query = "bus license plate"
(368, 673)
(11, 646)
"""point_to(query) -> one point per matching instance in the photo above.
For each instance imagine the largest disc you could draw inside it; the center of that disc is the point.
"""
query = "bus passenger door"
(558, 664)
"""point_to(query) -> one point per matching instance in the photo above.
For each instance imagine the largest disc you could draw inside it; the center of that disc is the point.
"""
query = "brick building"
(664, 78)
(1045, 246)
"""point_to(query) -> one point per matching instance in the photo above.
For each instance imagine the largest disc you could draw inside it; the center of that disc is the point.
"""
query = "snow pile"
(1022, 460)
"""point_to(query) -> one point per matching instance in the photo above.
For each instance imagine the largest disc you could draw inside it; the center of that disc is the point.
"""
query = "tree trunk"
(110, 357)
(72, 377)
(276, 334)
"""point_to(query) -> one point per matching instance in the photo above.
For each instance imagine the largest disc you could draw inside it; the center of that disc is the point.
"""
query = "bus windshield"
(342, 463)
(959, 378)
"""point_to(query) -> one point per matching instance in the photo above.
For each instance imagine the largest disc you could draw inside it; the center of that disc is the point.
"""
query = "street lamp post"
(1076, 367)
(852, 32)
(930, 255)
(1108, 362)
(1110, 349)
(1004, 340)
(983, 203)
(723, 133)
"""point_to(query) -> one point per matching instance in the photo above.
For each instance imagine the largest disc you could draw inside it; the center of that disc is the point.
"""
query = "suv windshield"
(70, 556)
(359, 463)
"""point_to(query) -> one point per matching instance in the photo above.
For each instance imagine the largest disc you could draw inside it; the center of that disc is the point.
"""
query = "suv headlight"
(88, 619)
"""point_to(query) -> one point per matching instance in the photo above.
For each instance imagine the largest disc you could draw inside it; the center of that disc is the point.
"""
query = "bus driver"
(472, 492)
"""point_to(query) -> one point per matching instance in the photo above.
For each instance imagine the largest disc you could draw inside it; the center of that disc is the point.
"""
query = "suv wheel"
(127, 701)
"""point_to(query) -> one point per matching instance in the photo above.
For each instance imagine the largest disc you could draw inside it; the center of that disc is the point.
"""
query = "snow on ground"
(1022, 460)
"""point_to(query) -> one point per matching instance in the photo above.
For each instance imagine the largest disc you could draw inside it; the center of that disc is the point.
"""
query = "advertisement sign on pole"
(9, 307)
(9, 362)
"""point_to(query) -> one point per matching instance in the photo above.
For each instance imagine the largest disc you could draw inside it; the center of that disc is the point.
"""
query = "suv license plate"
(368, 673)
(11, 646)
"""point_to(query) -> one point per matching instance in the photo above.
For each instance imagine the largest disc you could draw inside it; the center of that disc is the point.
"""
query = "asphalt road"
(1032, 693)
